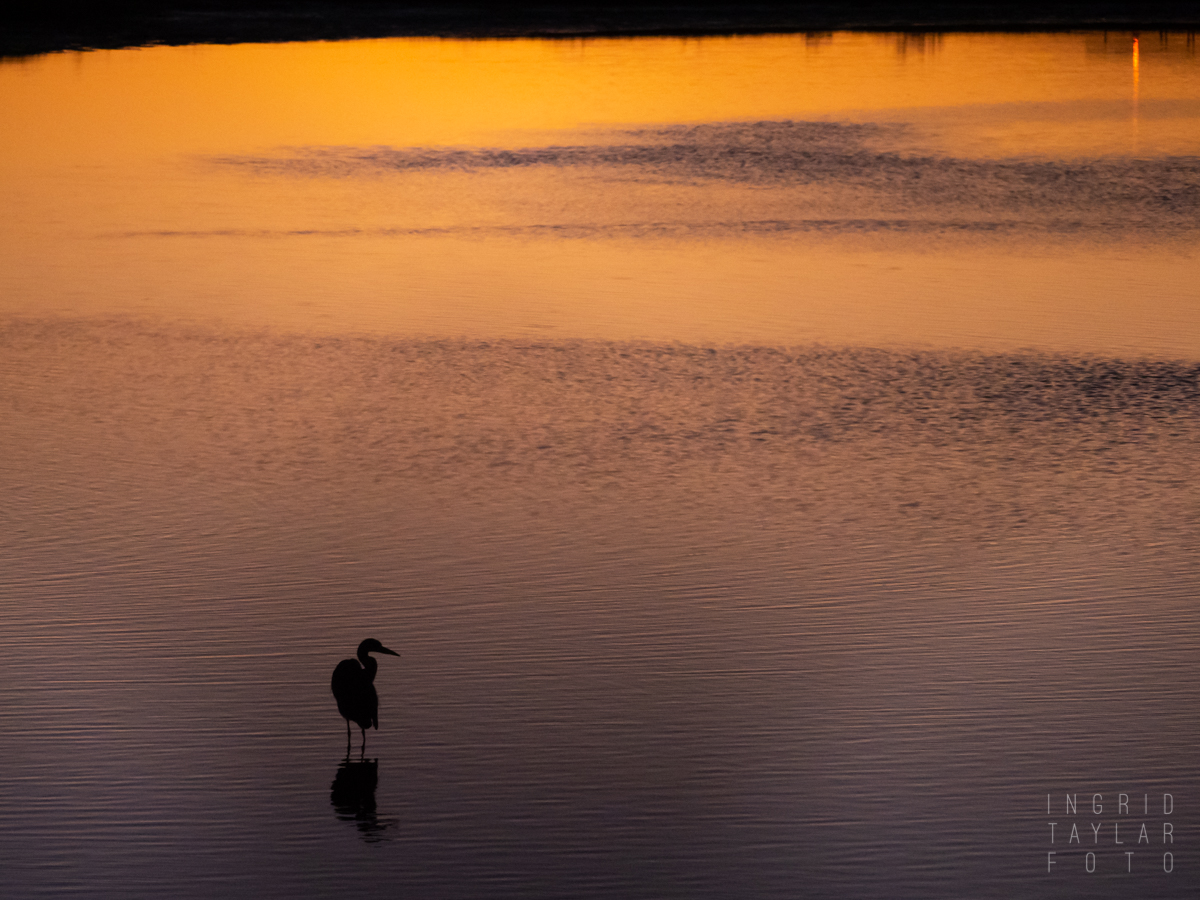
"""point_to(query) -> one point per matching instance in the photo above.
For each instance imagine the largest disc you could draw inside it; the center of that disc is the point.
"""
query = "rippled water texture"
(776, 478)
(978, 191)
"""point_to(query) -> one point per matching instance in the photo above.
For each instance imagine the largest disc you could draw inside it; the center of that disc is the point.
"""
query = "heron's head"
(370, 645)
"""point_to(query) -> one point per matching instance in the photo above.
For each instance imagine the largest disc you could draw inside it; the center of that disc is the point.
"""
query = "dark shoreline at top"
(56, 25)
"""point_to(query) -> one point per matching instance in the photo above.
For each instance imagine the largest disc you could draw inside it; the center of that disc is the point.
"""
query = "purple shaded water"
(674, 620)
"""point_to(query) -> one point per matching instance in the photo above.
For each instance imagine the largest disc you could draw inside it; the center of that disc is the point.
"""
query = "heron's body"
(353, 687)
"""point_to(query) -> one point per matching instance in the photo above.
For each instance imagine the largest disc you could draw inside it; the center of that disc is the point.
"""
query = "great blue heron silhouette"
(354, 688)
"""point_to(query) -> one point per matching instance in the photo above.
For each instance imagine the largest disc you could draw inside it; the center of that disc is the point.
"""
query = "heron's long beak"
(387, 651)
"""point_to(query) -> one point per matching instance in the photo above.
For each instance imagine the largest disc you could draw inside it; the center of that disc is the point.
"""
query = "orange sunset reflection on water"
(773, 458)
(991, 191)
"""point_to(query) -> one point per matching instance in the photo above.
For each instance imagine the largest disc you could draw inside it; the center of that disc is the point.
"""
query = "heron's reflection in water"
(353, 797)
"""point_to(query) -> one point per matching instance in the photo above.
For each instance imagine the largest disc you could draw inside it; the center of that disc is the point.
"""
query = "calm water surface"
(772, 458)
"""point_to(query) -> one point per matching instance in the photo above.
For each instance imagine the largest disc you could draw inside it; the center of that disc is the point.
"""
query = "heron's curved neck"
(369, 664)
